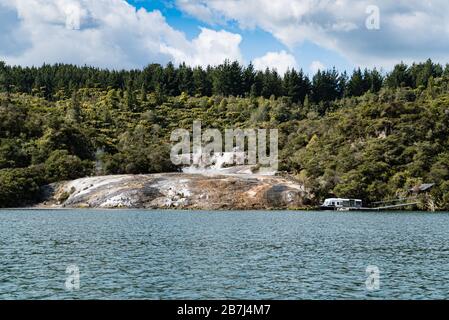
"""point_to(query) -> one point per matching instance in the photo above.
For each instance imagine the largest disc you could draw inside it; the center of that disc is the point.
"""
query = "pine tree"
(291, 85)
(236, 79)
(200, 82)
(185, 79)
(170, 80)
(399, 77)
(256, 88)
(248, 79)
(325, 86)
(376, 81)
(356, 85)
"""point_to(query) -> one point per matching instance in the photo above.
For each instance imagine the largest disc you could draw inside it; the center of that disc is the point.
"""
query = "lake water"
(139, 254)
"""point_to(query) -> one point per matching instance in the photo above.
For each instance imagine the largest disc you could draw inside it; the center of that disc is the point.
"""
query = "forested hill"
(363, 135)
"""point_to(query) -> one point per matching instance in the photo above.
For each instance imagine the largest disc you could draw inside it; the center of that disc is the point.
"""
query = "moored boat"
(341, 204)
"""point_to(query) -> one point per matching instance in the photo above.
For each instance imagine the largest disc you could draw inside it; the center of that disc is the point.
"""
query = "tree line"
(55, 82)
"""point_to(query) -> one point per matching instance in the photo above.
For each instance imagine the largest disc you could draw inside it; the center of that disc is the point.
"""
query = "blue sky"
(281, 34)
(256, 42)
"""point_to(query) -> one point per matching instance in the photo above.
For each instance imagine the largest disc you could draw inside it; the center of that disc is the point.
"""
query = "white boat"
(341, 204)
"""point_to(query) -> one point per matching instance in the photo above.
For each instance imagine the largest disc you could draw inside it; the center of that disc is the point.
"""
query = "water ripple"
(217, 255)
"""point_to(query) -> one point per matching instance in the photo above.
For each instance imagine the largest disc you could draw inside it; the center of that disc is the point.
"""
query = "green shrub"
(60, 166)
(20, 187)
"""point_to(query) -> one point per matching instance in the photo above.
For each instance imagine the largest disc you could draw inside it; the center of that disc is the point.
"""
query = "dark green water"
(213, 255)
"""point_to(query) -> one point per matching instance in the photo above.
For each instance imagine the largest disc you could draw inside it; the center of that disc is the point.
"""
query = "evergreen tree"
(185, 79)
(201, 83)
(357, 84)
(236, 79)
(228, 79)
(376, 81)
(399, 77)
(256, 88)
(422, 72)
(272, 84)
(325, 86)
(249, 76)
(291, 85)
(170, 80)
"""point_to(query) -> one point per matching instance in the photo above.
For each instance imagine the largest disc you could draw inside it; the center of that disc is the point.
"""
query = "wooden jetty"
(389, 207)
(338, 204)
(393, 204)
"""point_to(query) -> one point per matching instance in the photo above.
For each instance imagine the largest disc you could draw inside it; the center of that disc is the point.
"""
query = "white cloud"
(409, 29)
(199, 10)
(281, 61)
(209, 48)
(315, 66)
(112, 33)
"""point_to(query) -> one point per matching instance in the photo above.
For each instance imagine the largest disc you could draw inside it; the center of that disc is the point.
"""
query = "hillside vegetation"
(365, 136)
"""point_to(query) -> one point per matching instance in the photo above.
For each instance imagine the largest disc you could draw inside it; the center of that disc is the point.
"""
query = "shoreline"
(311, 210)
(186, 192)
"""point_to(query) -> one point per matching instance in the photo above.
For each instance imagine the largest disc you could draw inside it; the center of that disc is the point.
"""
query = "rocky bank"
(179, 190)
